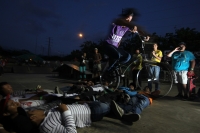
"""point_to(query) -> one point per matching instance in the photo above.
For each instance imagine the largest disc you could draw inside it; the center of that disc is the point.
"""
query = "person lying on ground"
(135, 105)
(83, 114)
(33, 99)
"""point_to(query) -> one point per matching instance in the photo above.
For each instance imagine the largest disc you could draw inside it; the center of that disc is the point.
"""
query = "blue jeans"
(98, 110)
(82, 70)
(136, 104)
(115, 54)
(153, 73)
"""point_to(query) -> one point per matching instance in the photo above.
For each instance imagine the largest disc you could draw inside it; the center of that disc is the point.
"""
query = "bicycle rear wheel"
(165, 78)
(111, 77)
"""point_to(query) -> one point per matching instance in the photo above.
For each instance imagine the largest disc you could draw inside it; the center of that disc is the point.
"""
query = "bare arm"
(192, 65)
(122, 22)
(170, 54)
(157, 57)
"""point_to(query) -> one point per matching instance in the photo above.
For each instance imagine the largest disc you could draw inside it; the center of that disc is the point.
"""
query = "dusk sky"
(27, 24)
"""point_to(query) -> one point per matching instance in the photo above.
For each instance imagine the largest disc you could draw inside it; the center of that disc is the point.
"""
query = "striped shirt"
(81, 114)
(56, 122)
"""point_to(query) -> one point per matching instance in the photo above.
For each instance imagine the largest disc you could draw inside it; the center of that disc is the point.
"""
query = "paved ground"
(165, 115)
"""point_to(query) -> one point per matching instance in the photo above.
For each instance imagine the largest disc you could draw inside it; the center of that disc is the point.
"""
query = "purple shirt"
(116, 34)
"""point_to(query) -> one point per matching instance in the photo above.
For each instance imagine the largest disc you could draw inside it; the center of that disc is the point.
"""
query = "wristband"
(1, 128)
(192, 69)
(41, 98)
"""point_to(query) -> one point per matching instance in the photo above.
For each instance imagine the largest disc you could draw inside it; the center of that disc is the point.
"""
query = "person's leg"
(81, 71)
(134, 75)
(184, 80)
(157, 73)
(99, 69)
(128, 107)
(142, 103)
(139, 79)
(125, 56)
(178, 85)
(84, 75)
(119, 113)
(150, 76)
(113, 54)
(98, 110)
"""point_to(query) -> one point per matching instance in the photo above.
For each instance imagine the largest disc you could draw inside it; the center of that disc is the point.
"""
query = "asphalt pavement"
(165, 115)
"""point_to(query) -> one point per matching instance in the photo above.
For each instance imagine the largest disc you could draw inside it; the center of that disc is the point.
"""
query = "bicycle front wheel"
(112, 78)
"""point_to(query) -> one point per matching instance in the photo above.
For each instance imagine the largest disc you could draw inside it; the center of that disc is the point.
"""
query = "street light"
(80, 35)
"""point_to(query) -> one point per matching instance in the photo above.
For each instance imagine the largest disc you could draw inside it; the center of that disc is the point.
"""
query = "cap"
(95, 48)
(182, 43)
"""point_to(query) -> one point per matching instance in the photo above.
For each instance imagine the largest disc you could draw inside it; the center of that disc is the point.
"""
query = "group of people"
(63, 114)
(96, 63)
(93, 102)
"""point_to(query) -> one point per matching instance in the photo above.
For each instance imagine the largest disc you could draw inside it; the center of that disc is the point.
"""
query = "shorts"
(180, 77)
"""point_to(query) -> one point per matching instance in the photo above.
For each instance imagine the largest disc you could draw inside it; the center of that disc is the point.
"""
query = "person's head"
(36, 116)
(89, 83)
(129, 14)
(155, 46)
(147, 90)
(137, 51)
(96, 50)
(131, 86)
(5, 89)
(9, 107)
(182, 46)
(84, 54)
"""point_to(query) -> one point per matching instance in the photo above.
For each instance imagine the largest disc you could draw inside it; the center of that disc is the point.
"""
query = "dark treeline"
(168, 42)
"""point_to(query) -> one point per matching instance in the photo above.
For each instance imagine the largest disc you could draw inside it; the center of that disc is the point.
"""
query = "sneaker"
(126, 98)
(57, 90)
(185, 97)
(179, 95)
(131, 117)
(118, 111)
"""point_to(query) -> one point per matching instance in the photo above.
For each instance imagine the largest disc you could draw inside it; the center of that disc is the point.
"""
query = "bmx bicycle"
(116, 77)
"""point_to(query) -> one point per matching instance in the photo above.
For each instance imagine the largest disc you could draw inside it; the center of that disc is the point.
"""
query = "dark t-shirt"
(97, 57)
(82, 60)
(20, 124)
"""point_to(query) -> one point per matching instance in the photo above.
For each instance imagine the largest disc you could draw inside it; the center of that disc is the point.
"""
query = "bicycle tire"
(112, 77)
(166, 84)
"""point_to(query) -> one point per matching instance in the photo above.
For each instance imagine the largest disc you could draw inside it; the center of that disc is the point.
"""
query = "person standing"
(137, 66)
(82, 67)
(96, 63)
(154, 70)
(182, 62)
